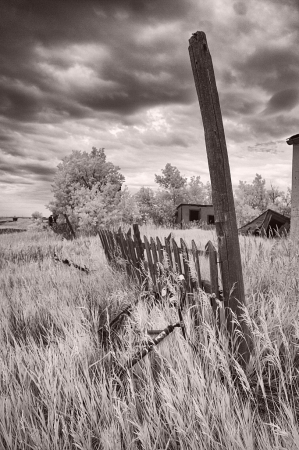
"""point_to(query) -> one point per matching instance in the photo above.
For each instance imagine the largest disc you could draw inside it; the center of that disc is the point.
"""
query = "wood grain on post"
(222, 193)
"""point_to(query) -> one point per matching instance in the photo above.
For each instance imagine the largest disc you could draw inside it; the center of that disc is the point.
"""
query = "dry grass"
(57, 382)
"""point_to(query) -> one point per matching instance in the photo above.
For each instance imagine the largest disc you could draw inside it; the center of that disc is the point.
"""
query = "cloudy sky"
(117, 74)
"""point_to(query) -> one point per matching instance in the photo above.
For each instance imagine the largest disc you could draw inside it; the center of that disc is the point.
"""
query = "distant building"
(268, 223)
(190, 212)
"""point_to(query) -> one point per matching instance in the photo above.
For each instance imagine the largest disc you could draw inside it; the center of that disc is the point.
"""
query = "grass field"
(58, 369)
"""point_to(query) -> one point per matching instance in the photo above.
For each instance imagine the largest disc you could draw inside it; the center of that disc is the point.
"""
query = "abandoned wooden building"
(269, 223)
(190, 212)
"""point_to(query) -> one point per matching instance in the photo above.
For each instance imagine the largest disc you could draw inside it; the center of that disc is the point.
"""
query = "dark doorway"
(194, 215)
(211, 219)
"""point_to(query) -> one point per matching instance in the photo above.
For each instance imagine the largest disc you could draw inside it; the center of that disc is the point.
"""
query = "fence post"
(294, 232)
(70, 226)
(222, 193)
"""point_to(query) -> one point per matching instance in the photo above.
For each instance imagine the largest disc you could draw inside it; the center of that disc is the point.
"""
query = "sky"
(117, 74)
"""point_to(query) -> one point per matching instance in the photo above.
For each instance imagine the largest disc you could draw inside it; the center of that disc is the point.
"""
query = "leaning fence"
(150, 259)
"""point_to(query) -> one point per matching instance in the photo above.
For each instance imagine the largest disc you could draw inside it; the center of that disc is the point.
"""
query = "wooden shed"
(191, 212)
(268, 223)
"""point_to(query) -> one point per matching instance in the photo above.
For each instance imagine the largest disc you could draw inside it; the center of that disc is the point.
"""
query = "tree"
(172, 181)
(252, 199)
(164, 209)
(37, 215)
(82, 169)
(87, 189)
(197, 192)
(254, 194)
(145, 198)
(285, 204)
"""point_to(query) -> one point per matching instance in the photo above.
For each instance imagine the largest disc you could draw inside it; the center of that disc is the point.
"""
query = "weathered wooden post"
(294, 233)
(70, 226)
(222, 193)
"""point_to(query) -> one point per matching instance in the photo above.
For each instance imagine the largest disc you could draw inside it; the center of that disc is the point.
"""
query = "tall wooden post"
(222, 193)
(294, 233)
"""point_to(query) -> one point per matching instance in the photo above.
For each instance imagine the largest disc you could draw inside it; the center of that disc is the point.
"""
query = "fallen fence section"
(70, 263)
(151, 260)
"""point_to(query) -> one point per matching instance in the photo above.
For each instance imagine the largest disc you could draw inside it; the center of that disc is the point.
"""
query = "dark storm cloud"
(284, 100)
(29, 169)
(234, 104)
(273, 126)
(142, 72)
(271, 68)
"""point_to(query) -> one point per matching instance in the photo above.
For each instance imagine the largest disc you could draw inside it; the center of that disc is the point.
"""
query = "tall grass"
(58, 379)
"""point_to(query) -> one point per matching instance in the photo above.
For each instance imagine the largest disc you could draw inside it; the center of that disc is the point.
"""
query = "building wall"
(204, 211)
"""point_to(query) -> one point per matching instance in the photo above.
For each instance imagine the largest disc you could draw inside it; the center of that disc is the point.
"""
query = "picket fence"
(150, 259)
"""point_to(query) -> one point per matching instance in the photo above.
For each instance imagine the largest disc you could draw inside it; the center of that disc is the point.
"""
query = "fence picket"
(131, 249)
(104, 245)
(168, 252)
(177, 258)
(196, 262)
(107, 247)
(156, 263)
(214, 280)
(138, 243)
(160, 250)
(120, 250)
(150, 260)
(186, 264)
(111, 242)
(128, 259)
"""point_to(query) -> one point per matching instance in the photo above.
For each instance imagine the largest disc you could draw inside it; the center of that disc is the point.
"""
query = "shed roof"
(263, 222)
(293, 139)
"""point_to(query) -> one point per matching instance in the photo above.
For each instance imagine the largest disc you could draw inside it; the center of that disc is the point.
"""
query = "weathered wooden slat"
(150, 260)
(135, 262)
(138, 243)
(160, 250)
(111, 242)
(176, 255)
(213, 269)
(106, 244)
(131, 250)
(168, 253)
(214, 281)
(196, 263)
(127, 254)
(156, 263)
(186, 265)
(120, 250)
(100, 233)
